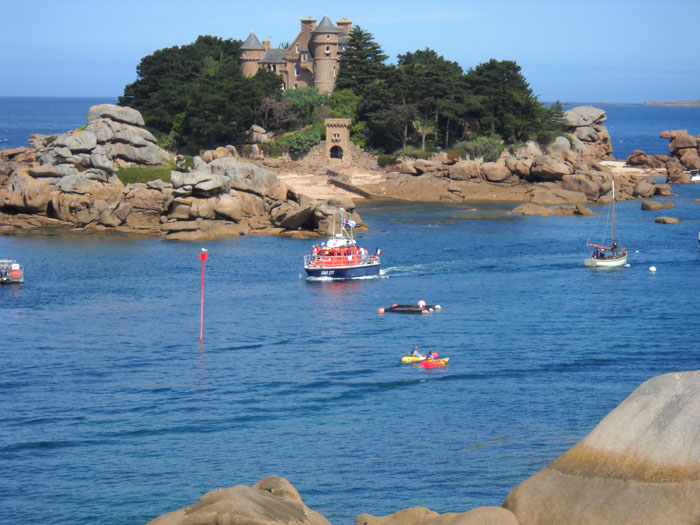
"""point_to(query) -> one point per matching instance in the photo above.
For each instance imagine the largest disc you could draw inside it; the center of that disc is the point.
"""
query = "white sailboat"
(607, 256)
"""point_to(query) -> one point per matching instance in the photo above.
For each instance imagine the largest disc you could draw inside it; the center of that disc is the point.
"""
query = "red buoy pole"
(202, 257)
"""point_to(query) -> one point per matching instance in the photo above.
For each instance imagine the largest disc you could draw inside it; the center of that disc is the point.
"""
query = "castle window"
(336, 135)
(328, 37)
(297, 70)
(328, 50)
(297, 48)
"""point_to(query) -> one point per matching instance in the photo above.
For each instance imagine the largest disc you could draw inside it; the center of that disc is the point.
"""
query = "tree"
(361, 63)
(162, 88)
(508, 105)
(436, 79)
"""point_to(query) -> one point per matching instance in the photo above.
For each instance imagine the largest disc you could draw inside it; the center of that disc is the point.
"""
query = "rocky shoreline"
(69, 182)
(640, 464)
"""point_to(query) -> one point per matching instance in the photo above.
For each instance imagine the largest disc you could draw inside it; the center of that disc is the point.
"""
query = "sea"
(112, 412)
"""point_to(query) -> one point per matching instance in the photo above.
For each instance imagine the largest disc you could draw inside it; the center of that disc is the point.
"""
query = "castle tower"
(338, 140)
(344, 26)
(324, 48)
(251, 52)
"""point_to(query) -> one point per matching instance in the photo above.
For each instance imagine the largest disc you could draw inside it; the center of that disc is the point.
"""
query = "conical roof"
(326, 26)
(252, 42)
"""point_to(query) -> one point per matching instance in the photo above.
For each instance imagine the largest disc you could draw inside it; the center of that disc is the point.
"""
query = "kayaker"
(415, 351)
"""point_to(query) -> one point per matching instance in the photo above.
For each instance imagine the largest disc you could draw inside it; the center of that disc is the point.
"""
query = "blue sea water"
(634, 126)
(111, 411)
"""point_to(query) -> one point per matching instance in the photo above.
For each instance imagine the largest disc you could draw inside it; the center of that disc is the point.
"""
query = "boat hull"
(343, 272)
(434, 364)
(605, 263)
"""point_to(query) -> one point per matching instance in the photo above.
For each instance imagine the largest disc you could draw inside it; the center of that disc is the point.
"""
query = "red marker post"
(202, 257)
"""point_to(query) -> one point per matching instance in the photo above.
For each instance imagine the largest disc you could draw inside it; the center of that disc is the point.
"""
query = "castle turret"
(251, 52)
(324, 48)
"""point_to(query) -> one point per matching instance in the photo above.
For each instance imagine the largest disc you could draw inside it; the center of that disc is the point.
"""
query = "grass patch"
(145, 173)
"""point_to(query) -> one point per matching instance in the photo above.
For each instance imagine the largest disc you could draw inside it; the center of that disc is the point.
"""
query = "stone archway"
(336, 152)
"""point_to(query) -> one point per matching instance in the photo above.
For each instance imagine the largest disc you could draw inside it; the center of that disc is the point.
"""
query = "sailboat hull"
(610, 262)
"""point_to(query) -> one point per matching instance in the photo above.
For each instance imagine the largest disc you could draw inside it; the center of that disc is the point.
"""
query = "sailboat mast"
(613, 211)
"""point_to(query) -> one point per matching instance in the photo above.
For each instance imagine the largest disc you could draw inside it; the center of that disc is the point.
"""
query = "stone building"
(311, 60)
(338, 139)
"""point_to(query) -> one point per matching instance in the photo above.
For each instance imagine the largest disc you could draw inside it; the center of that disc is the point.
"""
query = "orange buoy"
(380, 310)
(424, 312)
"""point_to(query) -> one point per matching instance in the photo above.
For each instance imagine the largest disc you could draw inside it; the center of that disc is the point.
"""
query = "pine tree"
(361, 63)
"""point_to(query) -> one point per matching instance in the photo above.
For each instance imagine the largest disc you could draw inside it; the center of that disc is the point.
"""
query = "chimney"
(307, 24)
(344, 26)
(266, 44)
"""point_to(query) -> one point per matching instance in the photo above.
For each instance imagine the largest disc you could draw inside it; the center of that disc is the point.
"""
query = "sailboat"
(607, 256)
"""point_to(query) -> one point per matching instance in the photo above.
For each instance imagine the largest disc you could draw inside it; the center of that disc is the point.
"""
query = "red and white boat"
(340, 257)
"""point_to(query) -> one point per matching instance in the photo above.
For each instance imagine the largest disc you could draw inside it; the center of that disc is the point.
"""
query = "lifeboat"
(340, 257)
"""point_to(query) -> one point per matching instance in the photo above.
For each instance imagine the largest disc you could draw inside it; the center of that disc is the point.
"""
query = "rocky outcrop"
(424, 516)
(271, 501)
(684, 154)
(72, 177)
(591, 137)
(640, 464)
(667, 220)
(656, 205)
(229, 196)
(530, 208)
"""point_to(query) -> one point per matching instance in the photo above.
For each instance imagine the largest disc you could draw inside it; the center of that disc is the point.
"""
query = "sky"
(617, 51)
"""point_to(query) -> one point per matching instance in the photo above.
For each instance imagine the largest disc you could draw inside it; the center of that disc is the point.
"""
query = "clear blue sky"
(573, 51)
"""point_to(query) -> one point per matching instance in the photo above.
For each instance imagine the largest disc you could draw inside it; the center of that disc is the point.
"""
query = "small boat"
(694, 175)
(412, 358)
(341, 258)
(11, 272)
(420, 308)
(607, 256)
(434, 363)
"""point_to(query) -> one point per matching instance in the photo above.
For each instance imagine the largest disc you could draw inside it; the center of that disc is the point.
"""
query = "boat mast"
(613, 212)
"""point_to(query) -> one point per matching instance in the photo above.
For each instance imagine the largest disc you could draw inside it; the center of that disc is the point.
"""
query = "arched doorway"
(336, 152)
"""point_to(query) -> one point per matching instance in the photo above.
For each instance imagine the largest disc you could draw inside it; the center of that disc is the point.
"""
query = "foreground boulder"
(641, 464)
(271, 501)
(424, 516)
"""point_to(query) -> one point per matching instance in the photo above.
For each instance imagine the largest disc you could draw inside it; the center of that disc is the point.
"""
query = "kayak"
(413, 358)
(434, 364)
(410, 308)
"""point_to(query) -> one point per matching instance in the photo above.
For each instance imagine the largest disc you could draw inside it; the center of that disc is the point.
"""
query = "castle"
(311, 60)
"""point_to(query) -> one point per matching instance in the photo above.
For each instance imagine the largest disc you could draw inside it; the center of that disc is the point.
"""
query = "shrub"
(300, 142)
(271, 149)
(386, 160)
(244, 150)
(454, 155)
(412, 151)
(146, 173)
(488, 148)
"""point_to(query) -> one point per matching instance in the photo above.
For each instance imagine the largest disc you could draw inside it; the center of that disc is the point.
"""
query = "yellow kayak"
(413, 358)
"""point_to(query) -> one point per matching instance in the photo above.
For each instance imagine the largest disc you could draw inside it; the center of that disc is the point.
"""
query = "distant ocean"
(111, 412)
(631, 126)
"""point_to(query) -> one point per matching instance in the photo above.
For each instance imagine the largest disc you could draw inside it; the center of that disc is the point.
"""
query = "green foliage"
(196, 95)
(244, 150)
(343, 103)
(386, 160)
(305, 100)
(414, 152)
(361, 63)
(145, 173)
(488, 148)
(271, 149)
(299, 142)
